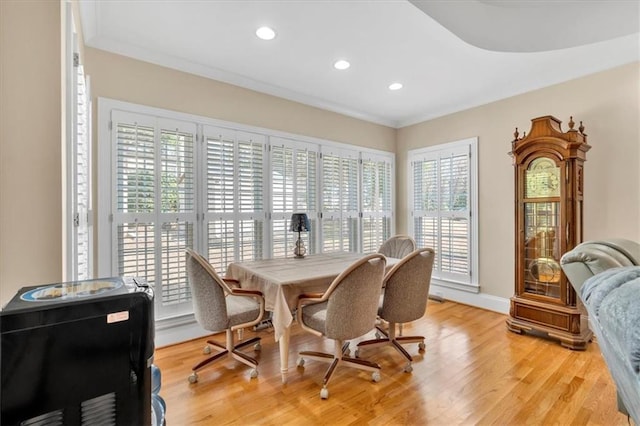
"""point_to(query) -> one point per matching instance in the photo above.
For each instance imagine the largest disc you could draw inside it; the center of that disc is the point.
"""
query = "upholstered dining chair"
(346, 310)
(406, 290)
(398, 246)
(220, 305)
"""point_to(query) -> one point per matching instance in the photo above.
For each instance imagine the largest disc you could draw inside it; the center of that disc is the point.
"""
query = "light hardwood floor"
(473, 371)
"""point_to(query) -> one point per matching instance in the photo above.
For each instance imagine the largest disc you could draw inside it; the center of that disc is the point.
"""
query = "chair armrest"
(311, 296)
(249, 293)
(233, 283)
(245, 292)
(309, 299)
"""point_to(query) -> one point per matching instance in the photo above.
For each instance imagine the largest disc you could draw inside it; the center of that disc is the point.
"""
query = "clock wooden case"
(549, 176)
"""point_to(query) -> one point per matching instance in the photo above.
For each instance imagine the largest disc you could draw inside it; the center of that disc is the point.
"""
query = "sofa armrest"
(592, 257)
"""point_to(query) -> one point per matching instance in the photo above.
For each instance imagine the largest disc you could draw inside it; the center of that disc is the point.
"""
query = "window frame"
(383, 214)
(346, 157)
(312, 207)
(468, 282)
(236, 216)
(160, 221)
(77, 197)
(106, 244)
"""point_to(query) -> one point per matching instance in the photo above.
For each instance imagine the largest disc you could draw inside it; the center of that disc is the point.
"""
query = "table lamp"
(299, 223)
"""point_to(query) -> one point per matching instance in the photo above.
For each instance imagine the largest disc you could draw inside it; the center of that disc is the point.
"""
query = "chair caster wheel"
(378, 335)
(408, 368)
(324, 393)
(254, 373)
(421, 346)
(206, 350)
(193, 378)
(375, 376)
(257, 347)
(300, 362)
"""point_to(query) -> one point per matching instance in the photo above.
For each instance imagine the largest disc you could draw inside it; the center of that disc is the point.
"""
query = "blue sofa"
(606, 277)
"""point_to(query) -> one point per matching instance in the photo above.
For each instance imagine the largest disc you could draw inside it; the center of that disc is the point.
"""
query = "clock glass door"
(542, 270)
(541, 224)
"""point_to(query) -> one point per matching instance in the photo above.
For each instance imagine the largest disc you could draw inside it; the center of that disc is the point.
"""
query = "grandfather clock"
(549, 172)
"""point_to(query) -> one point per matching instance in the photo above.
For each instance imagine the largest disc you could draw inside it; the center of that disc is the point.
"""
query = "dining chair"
(406, 290)
(346, 310)
(220, 305)
(398, 246)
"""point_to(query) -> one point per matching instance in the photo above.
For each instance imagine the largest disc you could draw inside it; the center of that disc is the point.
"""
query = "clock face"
(542, 179)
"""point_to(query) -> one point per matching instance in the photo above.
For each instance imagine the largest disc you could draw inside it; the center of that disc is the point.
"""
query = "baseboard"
(176, 330)
(480, 300)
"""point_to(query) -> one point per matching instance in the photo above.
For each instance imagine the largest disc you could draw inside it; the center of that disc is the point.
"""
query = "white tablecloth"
(283, 280)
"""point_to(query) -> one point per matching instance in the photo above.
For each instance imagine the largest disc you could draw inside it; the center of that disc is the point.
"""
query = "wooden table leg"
(284, 353)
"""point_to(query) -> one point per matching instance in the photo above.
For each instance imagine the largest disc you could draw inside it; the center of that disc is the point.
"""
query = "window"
(443, 184)
(294, 185)
(78, 226)
(377, 202)
(169, 181)
(234, 213)
(82, 230)
(154, 204)
(339, 200)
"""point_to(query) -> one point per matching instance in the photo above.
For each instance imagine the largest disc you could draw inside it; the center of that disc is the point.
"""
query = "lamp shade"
(300, 223)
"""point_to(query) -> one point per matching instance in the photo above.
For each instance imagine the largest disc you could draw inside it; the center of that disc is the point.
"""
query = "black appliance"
(77, 353)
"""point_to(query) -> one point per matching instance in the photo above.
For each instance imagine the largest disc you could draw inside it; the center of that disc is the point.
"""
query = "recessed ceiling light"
(341, 64)
(395, 86)
(265, 33)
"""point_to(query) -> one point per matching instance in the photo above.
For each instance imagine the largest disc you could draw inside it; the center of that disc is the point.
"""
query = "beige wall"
(30, 145)
(125, 79)
(607, 103)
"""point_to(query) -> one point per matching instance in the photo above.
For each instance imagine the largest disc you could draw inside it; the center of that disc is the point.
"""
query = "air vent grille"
(99, 411)
(54, 418)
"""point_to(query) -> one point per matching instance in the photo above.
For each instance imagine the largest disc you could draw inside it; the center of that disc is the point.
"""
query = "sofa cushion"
(613, 297)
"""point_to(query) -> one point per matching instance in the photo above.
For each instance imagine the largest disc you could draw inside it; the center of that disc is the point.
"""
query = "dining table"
(282, 280)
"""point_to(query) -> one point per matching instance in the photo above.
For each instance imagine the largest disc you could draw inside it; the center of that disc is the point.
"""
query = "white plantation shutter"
(234, 217)
(171, 184)
(135, 166)
(134, 175)
(376, 201)
(78, 216)
(81, 245)
(339, 200)
(441, 207)
(154, 212)
(454, 213)
(220, 196)
(293, 190)
(425, 203)
(306, 199)
(136, 254)
(282, 178)
(177, 211)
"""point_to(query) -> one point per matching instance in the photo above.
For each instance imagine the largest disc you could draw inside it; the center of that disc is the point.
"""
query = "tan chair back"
(406, 287)
(398, 246)
(207, 293)
(353, 302)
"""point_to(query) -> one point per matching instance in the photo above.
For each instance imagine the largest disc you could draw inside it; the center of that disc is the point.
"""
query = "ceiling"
(449, 55)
